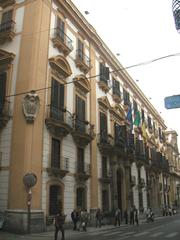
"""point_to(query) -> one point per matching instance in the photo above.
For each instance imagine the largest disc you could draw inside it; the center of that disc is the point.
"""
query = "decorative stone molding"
(31, 104)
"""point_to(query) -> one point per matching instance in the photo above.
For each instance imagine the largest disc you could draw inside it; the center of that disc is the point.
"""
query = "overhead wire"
(98, 75)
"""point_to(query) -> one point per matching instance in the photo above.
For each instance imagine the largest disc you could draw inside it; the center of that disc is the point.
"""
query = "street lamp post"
(29, 181)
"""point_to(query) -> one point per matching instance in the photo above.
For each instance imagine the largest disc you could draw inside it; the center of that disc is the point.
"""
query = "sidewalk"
(50, 234)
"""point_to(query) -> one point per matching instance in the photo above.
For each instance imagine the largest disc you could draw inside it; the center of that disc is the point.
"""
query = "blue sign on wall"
(172, 102)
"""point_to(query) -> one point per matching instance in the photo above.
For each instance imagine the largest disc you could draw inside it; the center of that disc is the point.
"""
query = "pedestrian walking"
(132, 216)
(136, 216)
(126, 216)
(75, 218)
(117, 217)
(84, 220)
(98, 217)
(78, 224)
(59, 221)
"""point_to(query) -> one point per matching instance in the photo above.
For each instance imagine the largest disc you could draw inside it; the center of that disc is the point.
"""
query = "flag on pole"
(129, 116)
(137, 118)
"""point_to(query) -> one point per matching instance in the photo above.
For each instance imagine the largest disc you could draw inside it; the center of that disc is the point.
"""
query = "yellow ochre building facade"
(75, 129)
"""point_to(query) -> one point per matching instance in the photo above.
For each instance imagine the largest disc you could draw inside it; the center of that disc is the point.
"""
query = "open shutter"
(3, 77)
(60, 28)
(61, 96)
(103, 126)
(107, 73)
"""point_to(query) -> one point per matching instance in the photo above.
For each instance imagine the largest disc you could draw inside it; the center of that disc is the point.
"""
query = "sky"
(142, 30)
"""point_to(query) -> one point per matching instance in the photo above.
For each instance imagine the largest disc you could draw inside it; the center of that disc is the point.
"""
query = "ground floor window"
(55, 199)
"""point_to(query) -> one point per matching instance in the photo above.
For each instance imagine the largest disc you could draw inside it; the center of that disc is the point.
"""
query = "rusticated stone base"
(17, 221)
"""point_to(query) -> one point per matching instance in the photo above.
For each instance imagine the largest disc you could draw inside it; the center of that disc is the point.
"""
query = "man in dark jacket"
(75, 218)
(59, 224)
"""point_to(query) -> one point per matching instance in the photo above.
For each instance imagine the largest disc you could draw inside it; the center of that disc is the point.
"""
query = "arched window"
(81, 198)
(55, 199)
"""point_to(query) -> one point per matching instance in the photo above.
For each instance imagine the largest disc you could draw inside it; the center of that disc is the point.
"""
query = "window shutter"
(103, 122)
(61, 97)
(142, 115)
(54, 94)
(3, 77)
(80, 156)
(55, 153)
(107, 73)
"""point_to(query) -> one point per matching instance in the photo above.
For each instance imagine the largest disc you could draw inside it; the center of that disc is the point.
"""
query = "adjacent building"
(75, 129)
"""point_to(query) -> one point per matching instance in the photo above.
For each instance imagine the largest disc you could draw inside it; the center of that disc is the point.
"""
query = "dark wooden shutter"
(142, 115)
(107, 73)
(80, 112)
(61, 96)
(3, 77)
(80, 49)
(55, 153)
(80, 156)
(60, 28)
(149, 123)
(103, 127)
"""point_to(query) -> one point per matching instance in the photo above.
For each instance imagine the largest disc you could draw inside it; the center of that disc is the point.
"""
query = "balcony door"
(103, 127)
(3, 77)
(57, 100)
(80, 114)
(55, 153)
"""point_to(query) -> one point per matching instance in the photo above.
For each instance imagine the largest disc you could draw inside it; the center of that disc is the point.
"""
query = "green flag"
(137, 118)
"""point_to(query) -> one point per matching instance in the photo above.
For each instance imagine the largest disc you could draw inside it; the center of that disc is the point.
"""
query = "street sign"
(172, 102)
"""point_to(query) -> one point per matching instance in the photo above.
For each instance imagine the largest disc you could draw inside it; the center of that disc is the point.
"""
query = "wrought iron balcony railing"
(4, 113)
(60, 114)
(59, 168)
(63, 37)
(7, 26)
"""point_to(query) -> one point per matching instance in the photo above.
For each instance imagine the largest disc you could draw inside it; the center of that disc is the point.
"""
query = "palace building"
(75, 129)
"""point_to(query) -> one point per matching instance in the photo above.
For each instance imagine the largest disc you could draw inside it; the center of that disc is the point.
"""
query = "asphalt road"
(161, 229)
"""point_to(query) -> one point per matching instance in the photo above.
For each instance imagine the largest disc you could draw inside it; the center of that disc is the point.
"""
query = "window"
(80, 160)
(60, 29)
(81, 198)
(80, 114)
(119, 133)
(80, 50)
(149, 123)
(57, 100)
(6, 21)
(135, 106)
(142, 115)
(55, 199)
(104, 166)
(126, 97)
(104, 73)
(103, 127)
(160, 134)
(55, 153)
(116, 87)
(3, 79)
(105, 201)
